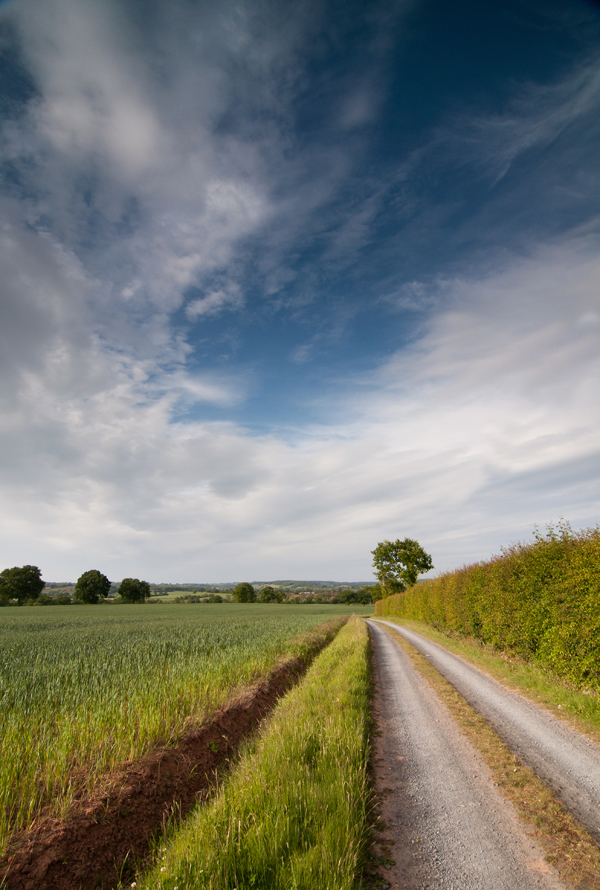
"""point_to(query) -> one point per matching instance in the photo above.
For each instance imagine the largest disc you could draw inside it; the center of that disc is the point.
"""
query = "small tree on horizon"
(21, 583)
(132, 590)
(271, 595)
(244, 593)
(399, 563)
(91, 587)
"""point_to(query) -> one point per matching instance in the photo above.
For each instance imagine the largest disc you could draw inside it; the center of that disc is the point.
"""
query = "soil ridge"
(107, 834)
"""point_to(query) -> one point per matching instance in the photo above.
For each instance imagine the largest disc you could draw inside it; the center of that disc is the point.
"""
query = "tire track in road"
(451, 828)
(564, 758)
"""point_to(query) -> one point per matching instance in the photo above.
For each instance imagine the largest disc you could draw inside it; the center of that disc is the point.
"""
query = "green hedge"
(540, 600)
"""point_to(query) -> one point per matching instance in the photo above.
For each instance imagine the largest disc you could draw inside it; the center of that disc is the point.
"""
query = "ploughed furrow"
(564, 758)
(446, 824)
(105, 836)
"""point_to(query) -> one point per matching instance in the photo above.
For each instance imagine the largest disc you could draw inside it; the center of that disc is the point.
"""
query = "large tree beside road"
(398, 563)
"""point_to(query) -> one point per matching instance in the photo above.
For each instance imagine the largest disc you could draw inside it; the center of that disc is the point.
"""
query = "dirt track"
(449, 827)
(568, 761)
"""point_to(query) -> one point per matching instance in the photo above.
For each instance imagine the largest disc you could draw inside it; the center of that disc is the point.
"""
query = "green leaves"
(21, 584)
(540, 600)
(132, 590)
(399, 563)
(244, 593)
(91, 587)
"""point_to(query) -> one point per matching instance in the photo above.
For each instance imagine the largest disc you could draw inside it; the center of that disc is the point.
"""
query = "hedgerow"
(539, 600)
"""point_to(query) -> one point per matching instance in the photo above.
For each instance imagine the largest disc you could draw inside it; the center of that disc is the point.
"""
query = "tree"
(350, 597)
(398, 564)
(244, 593)
(271, 595)
(132, 590)
(374, 591)
(91, 587)
(24, 583)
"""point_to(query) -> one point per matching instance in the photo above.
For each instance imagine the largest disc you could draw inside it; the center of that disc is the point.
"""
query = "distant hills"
(287, 584)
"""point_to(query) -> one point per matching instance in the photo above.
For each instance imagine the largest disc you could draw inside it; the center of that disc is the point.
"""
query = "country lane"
(564, 758)
(448, 825)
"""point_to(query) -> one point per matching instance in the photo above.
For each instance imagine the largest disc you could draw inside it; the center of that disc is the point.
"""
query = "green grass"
(581, 709)
(83, 689)
(294, 813)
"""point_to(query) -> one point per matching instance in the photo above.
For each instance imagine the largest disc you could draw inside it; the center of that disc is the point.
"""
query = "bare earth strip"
(451, 828)
(567, 760)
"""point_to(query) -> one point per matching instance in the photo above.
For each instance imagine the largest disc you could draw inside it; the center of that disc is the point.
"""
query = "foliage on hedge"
(540, 600)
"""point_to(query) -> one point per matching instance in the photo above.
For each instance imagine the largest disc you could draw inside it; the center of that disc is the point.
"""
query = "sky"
(280, 281)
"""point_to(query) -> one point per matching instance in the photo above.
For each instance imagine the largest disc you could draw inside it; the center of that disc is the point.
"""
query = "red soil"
(104, 836)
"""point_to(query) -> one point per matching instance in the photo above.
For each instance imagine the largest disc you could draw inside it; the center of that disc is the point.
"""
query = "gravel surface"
(568, 761)
(450, 827)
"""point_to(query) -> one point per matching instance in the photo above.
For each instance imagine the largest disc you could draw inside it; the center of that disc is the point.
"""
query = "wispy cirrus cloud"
(213, 302)
(162, 184)
(487, 420)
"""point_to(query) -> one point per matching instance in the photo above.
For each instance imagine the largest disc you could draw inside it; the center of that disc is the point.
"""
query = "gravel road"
(565, 759)
(450, 827)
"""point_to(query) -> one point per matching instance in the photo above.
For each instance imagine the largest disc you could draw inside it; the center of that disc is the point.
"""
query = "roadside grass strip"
(294, 814)
(86, 689)
(568, 845)
(580, 708)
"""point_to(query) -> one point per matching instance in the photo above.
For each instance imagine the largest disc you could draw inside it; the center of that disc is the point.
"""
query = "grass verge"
(569, 847)
(294, 813)
(580, 709)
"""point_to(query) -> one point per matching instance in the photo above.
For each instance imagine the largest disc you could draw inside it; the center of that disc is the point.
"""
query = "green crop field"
(83, 689)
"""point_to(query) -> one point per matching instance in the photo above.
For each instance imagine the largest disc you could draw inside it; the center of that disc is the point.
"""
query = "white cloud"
(536, 116)
(485, 425)
(214, 302)
(93, 96)
(447, 444)
(123, 163)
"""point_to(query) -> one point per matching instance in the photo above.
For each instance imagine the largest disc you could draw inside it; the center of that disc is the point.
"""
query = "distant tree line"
(397, 564)
(193, 598)
(245, 593)
(23, 585)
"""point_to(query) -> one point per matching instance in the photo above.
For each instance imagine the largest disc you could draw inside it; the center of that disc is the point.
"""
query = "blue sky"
(280, 281)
